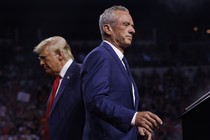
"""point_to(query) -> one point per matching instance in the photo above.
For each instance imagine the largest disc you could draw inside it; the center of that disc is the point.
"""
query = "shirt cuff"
(133, 119)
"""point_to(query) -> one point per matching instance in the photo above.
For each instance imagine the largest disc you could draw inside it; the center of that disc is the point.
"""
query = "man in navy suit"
(110, 93)
(65, 119)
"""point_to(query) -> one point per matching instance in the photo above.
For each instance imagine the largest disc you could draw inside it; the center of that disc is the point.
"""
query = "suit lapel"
(116, 58)
(119, 63)
(66, 79)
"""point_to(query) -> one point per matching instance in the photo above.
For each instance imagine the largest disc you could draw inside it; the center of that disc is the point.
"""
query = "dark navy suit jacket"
(67, 118)
(108, 96)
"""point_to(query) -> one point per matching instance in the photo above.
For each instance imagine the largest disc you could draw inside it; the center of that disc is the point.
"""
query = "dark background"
(169, 57)
(78, 19)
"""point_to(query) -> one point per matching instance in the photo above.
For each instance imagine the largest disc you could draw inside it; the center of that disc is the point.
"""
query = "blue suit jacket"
(67, 118)
(108, 96)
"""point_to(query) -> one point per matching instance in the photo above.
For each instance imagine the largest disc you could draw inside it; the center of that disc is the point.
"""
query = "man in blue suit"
(110, 93)
(66, 116)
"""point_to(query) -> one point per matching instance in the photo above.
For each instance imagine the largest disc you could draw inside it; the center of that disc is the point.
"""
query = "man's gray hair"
(107, 17)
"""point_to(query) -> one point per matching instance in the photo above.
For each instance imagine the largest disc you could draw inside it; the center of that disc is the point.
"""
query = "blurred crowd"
(168, 82)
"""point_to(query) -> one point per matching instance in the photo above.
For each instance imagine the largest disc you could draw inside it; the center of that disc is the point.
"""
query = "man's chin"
(128, 43)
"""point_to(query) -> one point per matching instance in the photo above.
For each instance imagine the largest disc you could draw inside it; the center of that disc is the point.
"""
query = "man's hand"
(146, 135)
(148, 121)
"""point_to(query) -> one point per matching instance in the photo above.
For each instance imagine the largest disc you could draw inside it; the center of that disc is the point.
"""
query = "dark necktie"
(50, 104)
(130, 76)
(126, 65)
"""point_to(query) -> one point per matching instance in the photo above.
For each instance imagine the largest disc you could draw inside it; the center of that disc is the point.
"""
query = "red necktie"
(52, 95)
(50, 103)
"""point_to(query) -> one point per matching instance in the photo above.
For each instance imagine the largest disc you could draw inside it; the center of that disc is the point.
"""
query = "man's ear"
(107, 29)
(60, 55)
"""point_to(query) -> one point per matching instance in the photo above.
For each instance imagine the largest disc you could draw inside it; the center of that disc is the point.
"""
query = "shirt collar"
(118, 52)
(65, 67)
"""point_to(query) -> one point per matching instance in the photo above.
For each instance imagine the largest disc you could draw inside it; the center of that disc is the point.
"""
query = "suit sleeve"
(96, 75)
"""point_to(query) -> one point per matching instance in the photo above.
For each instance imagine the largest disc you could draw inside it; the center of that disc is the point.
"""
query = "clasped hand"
(147, 122)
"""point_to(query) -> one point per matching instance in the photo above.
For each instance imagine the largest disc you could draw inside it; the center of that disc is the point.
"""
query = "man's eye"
(42, 57)
(126, 24)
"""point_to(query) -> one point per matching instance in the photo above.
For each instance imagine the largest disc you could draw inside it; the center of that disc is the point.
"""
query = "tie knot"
(123, 58)
(58, 77)
(125, 61)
